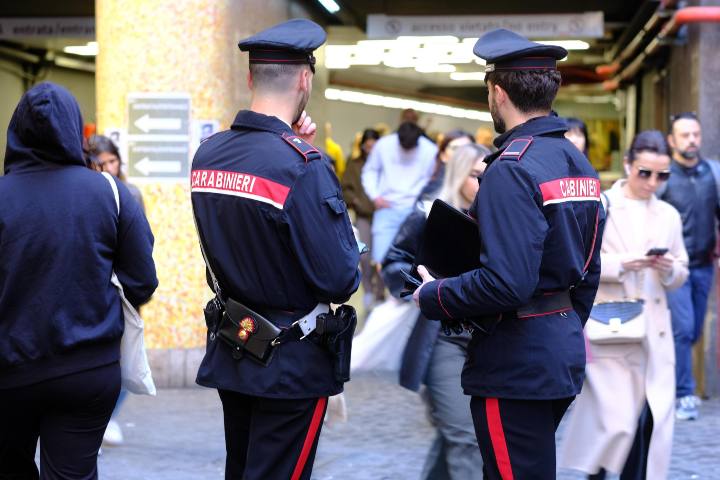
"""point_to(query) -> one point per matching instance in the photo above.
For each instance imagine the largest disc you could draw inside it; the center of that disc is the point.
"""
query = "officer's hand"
(427, 278)
(305, 128)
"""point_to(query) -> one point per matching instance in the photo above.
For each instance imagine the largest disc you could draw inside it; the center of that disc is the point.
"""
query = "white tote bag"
(134, 367)
(380, 344)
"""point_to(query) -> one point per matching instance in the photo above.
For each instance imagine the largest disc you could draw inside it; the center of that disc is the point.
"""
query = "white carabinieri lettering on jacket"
(579, 189)
(239, 184)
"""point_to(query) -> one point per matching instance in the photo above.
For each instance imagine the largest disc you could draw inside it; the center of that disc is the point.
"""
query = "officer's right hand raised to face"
(279, 247)
(540, 224)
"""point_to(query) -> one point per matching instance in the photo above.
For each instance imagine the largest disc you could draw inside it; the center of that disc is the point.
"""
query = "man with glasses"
(693, 191)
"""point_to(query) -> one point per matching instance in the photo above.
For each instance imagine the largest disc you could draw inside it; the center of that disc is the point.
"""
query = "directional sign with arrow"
(158, 136)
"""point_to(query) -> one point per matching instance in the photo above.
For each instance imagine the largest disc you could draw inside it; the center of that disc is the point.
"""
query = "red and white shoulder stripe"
(573, 189)
(238, 184)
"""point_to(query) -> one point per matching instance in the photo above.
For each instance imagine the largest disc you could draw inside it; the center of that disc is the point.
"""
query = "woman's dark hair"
(530, 91)
(449, 137)
(648, 141)
(369, 133)
(577, 124)
(408, 134)
(98, 144)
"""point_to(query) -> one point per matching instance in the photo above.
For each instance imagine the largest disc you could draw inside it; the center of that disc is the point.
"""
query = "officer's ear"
(305, 79)
(671, 140)
(499, 95)
(249, 81)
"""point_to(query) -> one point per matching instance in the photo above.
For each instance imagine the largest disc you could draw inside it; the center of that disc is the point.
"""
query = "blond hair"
(457, 170)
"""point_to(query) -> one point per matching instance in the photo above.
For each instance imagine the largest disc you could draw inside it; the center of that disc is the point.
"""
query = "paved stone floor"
(178, 435)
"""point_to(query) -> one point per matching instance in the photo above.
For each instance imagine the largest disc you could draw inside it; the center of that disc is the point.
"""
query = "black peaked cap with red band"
(291, 42)
(504, 50)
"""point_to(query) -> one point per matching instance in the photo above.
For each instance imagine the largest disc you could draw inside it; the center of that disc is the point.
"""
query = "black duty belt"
(546, 304)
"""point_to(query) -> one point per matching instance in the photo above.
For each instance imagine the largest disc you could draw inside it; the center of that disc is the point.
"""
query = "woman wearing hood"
(61, 238)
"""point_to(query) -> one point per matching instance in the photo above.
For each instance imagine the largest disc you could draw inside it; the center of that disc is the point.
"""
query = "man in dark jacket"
(61, 322)
(540, 221)
(693, 190)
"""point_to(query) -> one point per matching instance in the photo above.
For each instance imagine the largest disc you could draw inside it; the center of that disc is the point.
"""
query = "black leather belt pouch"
(247, 332)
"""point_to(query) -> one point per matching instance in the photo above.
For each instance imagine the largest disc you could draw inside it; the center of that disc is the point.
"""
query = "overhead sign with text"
(159, 136)
(570, 25)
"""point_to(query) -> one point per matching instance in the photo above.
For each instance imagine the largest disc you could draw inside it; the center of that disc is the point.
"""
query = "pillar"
(187, 46)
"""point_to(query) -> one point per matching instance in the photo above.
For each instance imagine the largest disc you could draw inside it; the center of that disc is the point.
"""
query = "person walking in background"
(623, 418)
(577, 134)
(431, 357)
(357, 200)
(693, 190)
(104, 156)
(397, 169)
(60, 316)
(447, 145)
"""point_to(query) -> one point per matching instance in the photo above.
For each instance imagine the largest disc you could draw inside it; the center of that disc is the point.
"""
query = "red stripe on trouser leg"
(497, 437)
(317, 419)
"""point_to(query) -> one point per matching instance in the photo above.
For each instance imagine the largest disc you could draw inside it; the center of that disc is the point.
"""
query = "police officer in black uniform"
(279, 248)
(540, 225)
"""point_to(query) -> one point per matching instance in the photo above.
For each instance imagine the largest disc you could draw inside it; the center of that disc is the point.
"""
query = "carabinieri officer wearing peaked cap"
(279, 248)
(540, 225)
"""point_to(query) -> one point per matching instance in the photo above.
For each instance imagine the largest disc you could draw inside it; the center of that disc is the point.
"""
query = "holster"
(247, 332)
(337, 330)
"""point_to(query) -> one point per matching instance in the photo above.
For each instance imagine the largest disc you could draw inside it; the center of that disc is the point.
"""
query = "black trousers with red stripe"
(517, 437)
(270, 438)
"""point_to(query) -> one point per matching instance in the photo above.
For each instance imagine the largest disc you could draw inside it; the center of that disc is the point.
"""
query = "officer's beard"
(301, 107)
(498, 121)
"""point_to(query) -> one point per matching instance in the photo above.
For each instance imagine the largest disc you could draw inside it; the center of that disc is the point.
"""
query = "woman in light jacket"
(623, 419)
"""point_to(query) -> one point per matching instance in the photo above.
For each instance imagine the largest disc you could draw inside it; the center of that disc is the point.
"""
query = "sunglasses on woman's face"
(645, 174)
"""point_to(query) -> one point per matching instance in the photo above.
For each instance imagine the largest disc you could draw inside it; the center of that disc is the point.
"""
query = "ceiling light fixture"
(90, 49)
(467, 76)
(330, 5)
(400, 103)
(567, 44)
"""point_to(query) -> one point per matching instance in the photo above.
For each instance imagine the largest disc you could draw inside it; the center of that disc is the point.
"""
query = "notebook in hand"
(450, 244)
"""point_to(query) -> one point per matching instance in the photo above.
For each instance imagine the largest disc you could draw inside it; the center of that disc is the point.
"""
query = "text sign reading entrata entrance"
(159, 136)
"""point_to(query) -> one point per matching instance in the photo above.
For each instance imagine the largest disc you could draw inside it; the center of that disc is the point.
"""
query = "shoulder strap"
(517, 148)
(113, 185)
(715, 169)
(605, 204)
(305, 149)
(216, 284)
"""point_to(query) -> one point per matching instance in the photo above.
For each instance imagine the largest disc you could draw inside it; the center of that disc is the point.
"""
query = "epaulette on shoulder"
(517, 148)
(304, 148)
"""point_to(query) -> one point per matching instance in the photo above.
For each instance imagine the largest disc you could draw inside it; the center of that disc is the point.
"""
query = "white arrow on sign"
(147, 123)
(147, 166)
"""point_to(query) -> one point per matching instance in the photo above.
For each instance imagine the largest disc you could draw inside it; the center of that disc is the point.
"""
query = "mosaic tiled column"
(187, 46)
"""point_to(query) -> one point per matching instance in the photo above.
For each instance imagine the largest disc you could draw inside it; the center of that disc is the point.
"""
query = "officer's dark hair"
(275, 77)
(408, 134)
(682, 116)
(530, 91)
(648, 141)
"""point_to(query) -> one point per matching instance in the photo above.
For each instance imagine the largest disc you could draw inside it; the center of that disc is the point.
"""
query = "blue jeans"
(688, 305)
(385, 225)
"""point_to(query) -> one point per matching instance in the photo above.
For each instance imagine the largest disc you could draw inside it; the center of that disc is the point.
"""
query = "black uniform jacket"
(540, 226)
(277, 235)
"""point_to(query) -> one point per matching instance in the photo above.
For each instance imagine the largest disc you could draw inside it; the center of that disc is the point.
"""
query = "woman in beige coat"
(631, 387)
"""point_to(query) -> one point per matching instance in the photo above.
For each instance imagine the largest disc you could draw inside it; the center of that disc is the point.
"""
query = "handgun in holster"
(337, 330)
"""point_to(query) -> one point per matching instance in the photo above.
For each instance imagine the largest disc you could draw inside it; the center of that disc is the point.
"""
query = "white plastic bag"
(134, 367)
(380, 344)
